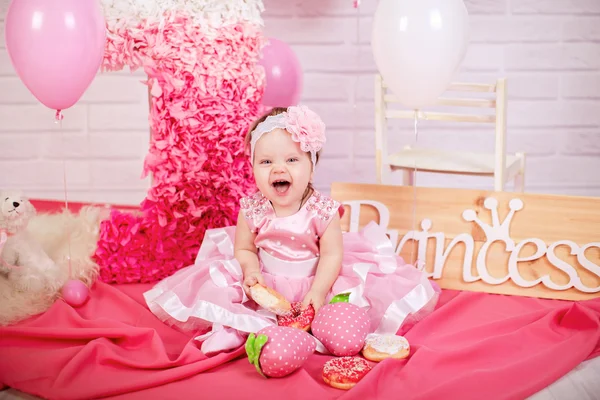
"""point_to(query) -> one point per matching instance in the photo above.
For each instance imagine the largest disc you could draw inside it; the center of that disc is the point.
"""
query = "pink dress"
(207, 297)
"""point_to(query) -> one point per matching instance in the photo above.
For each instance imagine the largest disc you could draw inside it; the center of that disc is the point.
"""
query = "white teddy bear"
(23, 261)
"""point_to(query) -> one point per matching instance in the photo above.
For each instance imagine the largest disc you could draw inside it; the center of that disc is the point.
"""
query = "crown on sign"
(497, 230)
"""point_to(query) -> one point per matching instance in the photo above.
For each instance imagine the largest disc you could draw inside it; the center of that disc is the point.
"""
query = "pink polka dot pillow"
(277, 351)
(342, 328)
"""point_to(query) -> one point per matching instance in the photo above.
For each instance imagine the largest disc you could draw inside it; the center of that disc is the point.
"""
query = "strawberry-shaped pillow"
(277, 351)
(342, 328)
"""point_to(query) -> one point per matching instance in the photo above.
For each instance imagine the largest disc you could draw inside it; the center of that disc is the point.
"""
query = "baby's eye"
(265, 162)
(293, 159)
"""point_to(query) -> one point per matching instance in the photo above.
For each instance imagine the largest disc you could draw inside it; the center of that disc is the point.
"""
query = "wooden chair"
(499, 165)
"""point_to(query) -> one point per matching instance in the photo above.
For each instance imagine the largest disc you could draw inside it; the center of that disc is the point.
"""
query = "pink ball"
(342, 328)
(75, 293)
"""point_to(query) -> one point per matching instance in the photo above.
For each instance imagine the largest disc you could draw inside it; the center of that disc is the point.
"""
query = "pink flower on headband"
(306, 128)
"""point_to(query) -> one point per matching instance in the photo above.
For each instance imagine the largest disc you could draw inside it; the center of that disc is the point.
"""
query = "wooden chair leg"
(520, 177)
(499, 180)
(499, 186)
(521, 186)
(408, 177)
(384, 172)
(379, 167)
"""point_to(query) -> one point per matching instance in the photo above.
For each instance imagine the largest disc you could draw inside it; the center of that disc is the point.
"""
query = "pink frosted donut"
(298, 318)
(345, 372)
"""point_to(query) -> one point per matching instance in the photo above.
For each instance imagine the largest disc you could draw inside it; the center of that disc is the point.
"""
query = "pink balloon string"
(58, 119)
(415, 259)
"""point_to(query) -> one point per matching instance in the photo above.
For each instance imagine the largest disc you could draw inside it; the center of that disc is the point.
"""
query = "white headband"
(304, 125)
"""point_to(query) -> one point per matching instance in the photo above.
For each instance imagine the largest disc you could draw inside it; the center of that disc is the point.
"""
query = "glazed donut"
(345, 372)
(270, 299)
(298, 318)
(379, 347)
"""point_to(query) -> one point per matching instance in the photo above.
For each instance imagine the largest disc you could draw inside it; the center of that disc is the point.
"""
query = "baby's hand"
(315, 298)
(250, 280)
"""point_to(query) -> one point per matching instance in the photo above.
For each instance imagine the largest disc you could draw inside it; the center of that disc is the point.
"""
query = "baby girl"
(288, 237)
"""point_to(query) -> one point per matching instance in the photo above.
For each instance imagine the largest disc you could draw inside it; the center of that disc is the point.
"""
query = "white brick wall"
(548, 49)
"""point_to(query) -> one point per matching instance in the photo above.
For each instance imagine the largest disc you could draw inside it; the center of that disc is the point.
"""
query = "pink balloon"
(283, 75)
(75, 293)
(56, 47)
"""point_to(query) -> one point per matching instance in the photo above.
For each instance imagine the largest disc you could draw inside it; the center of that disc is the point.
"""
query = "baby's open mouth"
(281, 185)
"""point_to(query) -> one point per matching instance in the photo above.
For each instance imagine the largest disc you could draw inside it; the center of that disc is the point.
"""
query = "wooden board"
(547, 246)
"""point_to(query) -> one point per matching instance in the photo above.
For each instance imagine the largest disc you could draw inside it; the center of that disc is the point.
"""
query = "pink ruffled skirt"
(209, 295)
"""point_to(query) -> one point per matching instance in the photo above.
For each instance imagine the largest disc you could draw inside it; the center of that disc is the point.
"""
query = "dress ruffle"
(210, 291)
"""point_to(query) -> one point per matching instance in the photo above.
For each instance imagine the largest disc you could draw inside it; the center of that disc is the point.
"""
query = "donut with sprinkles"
(345, 372)
(298, 317)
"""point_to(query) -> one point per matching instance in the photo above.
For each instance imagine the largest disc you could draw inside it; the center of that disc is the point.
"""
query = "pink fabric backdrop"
(485, 345)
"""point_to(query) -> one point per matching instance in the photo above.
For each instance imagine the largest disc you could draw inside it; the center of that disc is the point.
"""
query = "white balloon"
(418, 47)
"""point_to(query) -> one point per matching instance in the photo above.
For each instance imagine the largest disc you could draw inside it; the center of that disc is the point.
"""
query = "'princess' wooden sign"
(522, 244)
